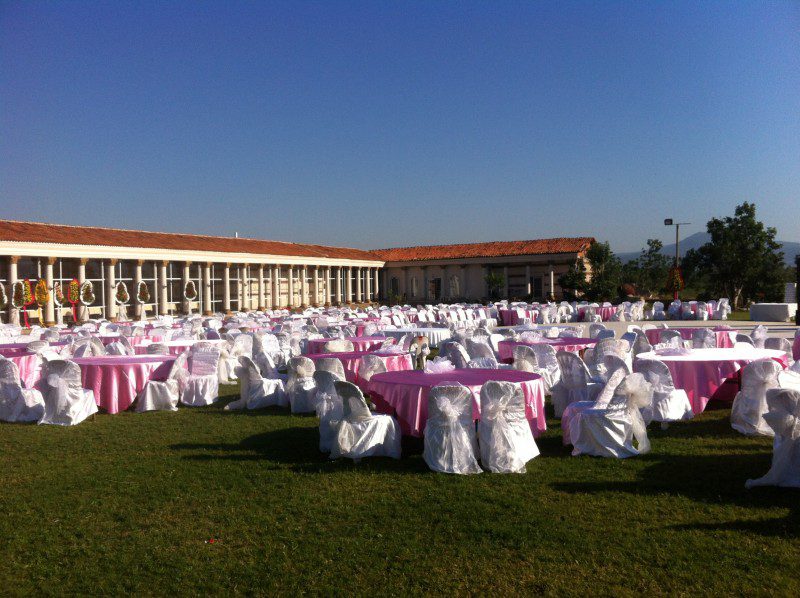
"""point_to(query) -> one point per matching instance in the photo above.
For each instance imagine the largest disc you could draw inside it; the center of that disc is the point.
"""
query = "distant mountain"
(697, 240)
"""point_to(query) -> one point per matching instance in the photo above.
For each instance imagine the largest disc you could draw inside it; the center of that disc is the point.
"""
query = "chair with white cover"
(330, 364)
(609, 428)
(66, 402)
(330, 409)
(744, 339)
(547, 364)
(783, 418)
(89, 347)
(675, 310)
(595, 329)
(702, 311)
(669, 404)
(525, 359)
(17, 404)
(419, 349)
(601, 334)
(641, 344)
(229, 360)
(165, 395)
(458, 355)
(301, 388)
(750, 404)
(723, 309)
(451, 445)
(704, 338)
(202, 384)
(477, 349)
(360, 432)
(338, 345)
(256, 391)
(157, 349)
(780, 344)
(494, 342)
(759, 336)
(575, 383)
(369, 366)
(657, 313)
(667, 335)
(116, 348)
(484, 363)
(506, 440)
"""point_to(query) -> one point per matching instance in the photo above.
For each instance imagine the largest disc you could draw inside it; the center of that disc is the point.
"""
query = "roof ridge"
(485, 243)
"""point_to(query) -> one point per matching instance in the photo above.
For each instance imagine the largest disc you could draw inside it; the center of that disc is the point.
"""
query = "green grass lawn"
(129, 503)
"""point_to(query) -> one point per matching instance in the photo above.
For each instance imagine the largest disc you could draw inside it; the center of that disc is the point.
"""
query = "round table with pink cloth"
(405, 394)
(177, 347)
(351, 360)
(571, 344)
(707, 374)
(360, 343)
(29, 366)
(511, 316)
(605, 313)
(724, 340)
(117, 379)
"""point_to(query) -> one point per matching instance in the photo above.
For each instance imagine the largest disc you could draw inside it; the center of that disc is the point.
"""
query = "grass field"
(208, 501)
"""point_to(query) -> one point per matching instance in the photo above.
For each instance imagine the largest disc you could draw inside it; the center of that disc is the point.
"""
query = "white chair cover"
(330, 409)
(369, 366)
(783, 418)
(66, 402)
(750, 404)
(704, 338)
(759, 336)
(338, 346)
(157, 349)
(17, 404)
(361, 433)
(451, 445)
(574, 384)
(669, 403)
(506, 440)
(301, 388)
(256, 392)
(164, 395)
(202, 384)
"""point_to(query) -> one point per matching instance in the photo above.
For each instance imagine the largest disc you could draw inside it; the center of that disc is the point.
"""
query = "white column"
(83, 311)
(327, 285)
(368, 285)
(377, 284)
(226, 289)
(207, 289)
(262, 295)
(290, 275)
(185, 306)
(528, 279)
(348, 284)
(50, 308)
(111, 305)
(244, 287)
(276, 287)
(316, 287)
(138, 308)
(338, 285)
(359, 297)
(162, 289)
(304, 296)
(552, 283)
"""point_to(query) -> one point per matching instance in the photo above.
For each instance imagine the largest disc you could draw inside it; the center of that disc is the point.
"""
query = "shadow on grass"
(711, 479)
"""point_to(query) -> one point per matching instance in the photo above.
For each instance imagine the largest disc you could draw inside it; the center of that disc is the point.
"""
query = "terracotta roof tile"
(493, 249)
(37, 232)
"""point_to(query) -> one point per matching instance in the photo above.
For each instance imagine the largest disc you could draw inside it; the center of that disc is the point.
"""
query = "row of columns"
(327, 288)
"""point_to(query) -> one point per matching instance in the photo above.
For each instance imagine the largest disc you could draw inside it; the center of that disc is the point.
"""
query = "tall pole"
(797, 289)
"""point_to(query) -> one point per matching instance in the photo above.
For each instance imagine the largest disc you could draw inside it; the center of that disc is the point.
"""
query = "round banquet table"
(571, 344)
(10, 349)
(351, 360)
(360, 343)
(30, 367)
(117, 379)
(724, 340)
(510, 317)
(405, 394)
(605, 313)
(702, 372)
(178, 346)
(435, 335)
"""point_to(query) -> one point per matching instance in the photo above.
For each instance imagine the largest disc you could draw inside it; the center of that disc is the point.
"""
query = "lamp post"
(797, 289)
(677, 225)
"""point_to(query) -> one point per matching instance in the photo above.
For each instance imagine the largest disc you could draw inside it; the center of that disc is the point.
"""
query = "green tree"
(649, 271)
(606, 272)
(742, 261)
(573, 282)
(495, 281)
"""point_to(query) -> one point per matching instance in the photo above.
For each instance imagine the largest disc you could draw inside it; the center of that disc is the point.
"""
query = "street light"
(677, 225)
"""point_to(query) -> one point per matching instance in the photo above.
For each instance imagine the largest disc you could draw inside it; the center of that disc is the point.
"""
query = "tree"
(604, 272)
(650, 270)
(495, 281)
(742, 261)
(573, 282)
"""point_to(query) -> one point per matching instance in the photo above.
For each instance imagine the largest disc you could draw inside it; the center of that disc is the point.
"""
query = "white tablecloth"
(435, 335)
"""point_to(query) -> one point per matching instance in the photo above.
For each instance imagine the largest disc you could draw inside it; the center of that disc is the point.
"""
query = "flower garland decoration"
(121, 296)
(142, 293)
(190, 291)
(74, 297)
(675, 281)
(3, 296)
(42, 296)
(22, 297)
(58, 295)
(87, 293)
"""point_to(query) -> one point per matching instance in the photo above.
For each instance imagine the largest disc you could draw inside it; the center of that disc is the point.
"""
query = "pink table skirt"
(179, 346)
(360, 343)
(704, 372)
(723, 336)
(30, 368)
(605, 313)
(405, 394)
(573, 345)
(351, 361)
(116, 380)
(510, 317)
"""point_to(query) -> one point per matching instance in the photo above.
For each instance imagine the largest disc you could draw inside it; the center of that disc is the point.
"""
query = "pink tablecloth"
(351, 361)
(405, 394)
(179, 346)
(117, 379)
(703, 372)
(360, 343)
(573, 345)
(605, 313)
(510, 317)
(29, 366)
(723, 336)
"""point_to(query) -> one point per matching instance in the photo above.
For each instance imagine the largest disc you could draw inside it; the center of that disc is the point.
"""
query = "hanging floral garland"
(22, 297)
(142, 293)
(3, 296)
(74, 297)
(121, 296)
(58, 295)
(87, 293)
(675, 281)
(42, 296)
(190, 291)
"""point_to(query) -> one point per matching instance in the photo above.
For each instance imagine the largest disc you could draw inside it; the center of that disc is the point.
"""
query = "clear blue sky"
(378, 124)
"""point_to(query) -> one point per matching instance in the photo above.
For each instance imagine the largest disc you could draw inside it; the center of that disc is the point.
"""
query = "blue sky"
(377, 124)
